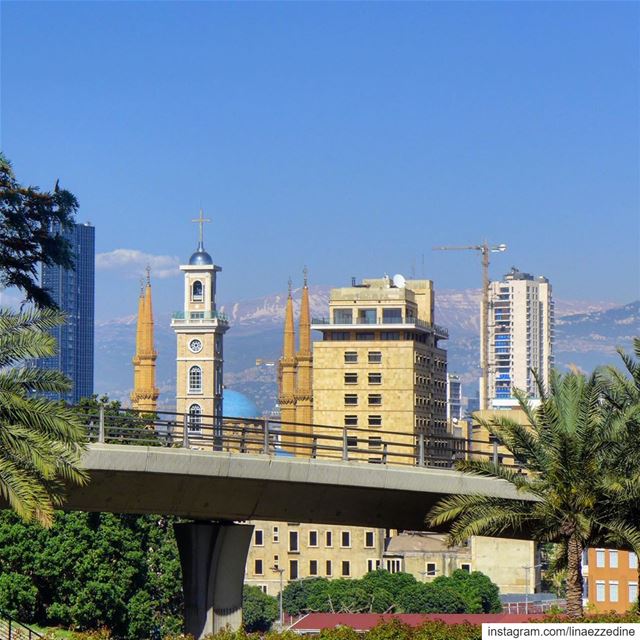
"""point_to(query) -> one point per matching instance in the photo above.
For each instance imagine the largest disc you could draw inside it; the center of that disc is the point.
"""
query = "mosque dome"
(200, 257)
(237, 405)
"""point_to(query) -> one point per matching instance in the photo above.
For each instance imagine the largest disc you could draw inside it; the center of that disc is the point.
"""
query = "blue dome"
(200, 257)
(237, 405)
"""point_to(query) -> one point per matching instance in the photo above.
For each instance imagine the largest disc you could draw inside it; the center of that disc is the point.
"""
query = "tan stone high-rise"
(145, 393)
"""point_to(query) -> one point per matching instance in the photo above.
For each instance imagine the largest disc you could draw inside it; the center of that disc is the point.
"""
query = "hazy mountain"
(586, 334)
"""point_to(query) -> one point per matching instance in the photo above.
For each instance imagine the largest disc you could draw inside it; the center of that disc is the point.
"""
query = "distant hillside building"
(73, 291)
(521, 329)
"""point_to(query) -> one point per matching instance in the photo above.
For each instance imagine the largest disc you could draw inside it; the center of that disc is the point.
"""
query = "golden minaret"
(287, 396)
(145, 393)
(304, 363)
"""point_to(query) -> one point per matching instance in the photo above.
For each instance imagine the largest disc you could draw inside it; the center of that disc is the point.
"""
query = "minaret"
(287, 397)
(145, 393)
(304, 364)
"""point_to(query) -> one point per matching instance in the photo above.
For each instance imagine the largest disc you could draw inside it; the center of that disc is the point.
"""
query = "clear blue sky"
(348, 136)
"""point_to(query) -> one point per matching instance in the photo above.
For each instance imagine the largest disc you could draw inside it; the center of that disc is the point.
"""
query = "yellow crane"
(485, 249)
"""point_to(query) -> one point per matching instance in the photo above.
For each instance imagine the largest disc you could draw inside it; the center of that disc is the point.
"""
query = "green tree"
(478, 591)
(259, 610)
(562, 454)
(431, 597)
(41, 441)
(31, 226)
(393, 583)
(298, 593)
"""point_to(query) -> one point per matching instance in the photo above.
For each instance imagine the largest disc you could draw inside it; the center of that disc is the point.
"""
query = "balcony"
(408, 323)
(195, 317)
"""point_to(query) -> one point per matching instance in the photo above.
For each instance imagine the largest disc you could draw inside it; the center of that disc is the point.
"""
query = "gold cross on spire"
(148, 270)
(201, 220)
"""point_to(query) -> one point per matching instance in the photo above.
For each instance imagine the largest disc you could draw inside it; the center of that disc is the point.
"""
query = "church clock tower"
(199, 331)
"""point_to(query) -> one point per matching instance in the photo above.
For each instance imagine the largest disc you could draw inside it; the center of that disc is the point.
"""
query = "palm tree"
(562, 455)
(41, 441)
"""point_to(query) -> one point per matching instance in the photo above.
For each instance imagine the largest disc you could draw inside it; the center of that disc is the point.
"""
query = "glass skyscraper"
(73, 292)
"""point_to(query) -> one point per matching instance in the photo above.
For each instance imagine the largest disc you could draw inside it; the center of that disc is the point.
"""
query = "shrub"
(18, 596)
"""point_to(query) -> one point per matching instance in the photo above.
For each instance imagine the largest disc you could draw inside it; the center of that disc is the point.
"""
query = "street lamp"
(281, 572)
(526, 585)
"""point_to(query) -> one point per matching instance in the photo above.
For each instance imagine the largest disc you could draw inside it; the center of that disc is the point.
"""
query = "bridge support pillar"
(213, 557)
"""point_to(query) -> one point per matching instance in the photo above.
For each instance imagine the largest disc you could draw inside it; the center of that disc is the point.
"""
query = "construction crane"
(485, 249)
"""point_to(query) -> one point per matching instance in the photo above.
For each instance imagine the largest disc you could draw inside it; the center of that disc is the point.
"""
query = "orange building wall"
(602, 580)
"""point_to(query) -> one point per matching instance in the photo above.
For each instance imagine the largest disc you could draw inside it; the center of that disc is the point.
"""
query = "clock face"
(195, 345)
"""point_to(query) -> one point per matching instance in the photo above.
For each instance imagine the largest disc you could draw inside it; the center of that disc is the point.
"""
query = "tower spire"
(304, 364)
(201, 220)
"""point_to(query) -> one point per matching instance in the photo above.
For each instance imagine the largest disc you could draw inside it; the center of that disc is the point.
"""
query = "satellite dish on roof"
(399, 281)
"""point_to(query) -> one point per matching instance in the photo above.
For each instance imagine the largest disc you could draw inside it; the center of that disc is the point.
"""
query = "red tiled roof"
(365, 621)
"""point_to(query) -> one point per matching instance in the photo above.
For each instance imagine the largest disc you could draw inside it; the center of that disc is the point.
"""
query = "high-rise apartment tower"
(73, 291)
(520, 336)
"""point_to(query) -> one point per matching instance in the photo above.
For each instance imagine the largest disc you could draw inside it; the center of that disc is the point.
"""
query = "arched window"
(195, 417)
(196, 291)
(195, 379)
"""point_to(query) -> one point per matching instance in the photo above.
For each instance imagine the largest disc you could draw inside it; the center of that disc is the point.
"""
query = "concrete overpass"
(216, 488)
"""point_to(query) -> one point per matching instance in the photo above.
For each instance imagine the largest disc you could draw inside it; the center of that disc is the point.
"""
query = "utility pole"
(484, 250)
(280, 571)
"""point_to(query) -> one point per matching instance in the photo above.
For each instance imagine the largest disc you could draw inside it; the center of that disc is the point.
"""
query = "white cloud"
(135, 262)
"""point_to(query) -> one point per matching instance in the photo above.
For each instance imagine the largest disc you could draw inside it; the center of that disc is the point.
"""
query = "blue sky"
(351, 137)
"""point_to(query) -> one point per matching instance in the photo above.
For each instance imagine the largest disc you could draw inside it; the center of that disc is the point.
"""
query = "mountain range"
(587, 334)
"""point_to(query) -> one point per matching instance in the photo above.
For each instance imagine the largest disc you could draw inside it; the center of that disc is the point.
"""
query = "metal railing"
(419, 447)
(11, 629)
(440, 331)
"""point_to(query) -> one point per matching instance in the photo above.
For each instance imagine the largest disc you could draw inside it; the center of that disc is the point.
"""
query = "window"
(313, 567)
(633, 592)
(352, 442)
(600, 558)
(375, 399)
(293, 541)
(373, 565)
(293, 569)
(195, 417)
(375, 357)
(275, 536)
(328, 539)
(392, 315)
(364, 335)
(351, 421)
(633, 561)
(338, 335)
(369, 539)
(375, 421)
(346, 568)
(351, 378)
(313, 538)
(263, 588)
(257, 567)
(276, 559)
(375, 442)
(600, 591)
(393, 565)
(196, 291)
(327, 568)
(366, 316)
(195, 379)
(197, 315)
(465, 566)
(258, 538)
(613, 591)
(431, 569)
(345, 539)
(351, 399)
(350, 357)
(389, 335)
(375, 378)
(613, 559)
(342, 316)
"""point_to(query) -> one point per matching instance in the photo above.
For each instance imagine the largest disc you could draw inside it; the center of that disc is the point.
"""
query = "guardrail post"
(314, 447)
(185, 431)
(101, 425)
(384, 453)
(345, 449)
(265, 442)
(495, 452)
(421, 450)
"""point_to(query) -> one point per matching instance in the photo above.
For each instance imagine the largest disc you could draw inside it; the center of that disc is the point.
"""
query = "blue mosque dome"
(237, 405)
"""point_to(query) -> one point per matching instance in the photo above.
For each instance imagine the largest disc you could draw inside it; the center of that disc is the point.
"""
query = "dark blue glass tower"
(73, 292)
